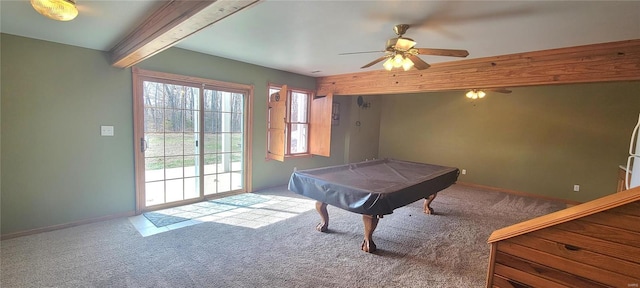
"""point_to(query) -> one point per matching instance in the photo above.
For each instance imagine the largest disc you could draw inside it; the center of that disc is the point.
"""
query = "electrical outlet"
(464, 171)
(576, 188)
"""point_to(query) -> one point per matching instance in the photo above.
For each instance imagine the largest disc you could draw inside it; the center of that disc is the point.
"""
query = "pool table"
(371, 188)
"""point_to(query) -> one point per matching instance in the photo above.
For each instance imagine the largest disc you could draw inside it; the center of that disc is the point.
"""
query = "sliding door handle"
(144, 145)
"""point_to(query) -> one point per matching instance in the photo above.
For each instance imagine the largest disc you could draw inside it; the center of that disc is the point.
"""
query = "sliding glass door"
(224, 138)
(191, 141)
(171, 139)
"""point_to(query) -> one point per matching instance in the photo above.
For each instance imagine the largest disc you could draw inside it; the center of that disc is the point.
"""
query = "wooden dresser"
(595, 244)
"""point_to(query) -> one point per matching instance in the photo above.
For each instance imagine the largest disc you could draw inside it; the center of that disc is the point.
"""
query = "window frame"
(288, 123)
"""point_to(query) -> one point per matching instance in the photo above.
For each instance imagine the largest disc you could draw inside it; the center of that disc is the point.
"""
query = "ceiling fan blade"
(501, 90)
(363, 52)
(376, 61)
(443, 52)
(418, 63)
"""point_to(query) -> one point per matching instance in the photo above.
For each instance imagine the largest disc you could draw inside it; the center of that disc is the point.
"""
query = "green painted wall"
(539, 140)
(57, 169)
(362, 139)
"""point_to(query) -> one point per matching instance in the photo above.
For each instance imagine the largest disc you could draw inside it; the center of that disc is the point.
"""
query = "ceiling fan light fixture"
(401, 52)
(388, 65)
(61, 10)
(471, 94)
(398, 60)
(407, 64)
(475, 94)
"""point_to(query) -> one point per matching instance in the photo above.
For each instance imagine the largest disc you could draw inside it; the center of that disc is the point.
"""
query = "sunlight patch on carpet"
(178, 214)
(246, 210)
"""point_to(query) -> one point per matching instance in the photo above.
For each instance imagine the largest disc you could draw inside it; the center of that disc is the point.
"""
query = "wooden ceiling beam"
(614, 61)
(168, 25)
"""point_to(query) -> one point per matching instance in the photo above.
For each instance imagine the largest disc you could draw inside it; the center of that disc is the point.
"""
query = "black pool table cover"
(374, 187)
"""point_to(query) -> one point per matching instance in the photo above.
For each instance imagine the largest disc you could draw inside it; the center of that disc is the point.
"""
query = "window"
(296, 120)
(299, 123)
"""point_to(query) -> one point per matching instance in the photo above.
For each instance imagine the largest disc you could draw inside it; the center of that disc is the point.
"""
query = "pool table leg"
(321, 207)
(427, 203)
(370, 224)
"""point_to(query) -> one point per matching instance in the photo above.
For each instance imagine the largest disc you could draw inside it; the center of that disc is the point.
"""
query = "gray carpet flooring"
(448, 249)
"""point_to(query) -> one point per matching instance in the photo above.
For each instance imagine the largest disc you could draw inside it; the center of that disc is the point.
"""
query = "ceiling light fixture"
(397, 61)
(407, 64)
(475, 94)
(61, 10)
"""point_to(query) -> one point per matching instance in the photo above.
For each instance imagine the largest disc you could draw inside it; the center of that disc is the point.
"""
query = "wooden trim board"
(571, 213)
(172, 22)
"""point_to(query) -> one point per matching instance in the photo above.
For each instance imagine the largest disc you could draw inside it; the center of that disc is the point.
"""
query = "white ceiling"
(307, 36)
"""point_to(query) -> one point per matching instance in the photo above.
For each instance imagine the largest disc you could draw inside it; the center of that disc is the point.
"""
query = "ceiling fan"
(480, 93)
(401, 52)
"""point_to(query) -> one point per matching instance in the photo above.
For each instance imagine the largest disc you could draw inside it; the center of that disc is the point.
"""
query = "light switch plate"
(106, 130)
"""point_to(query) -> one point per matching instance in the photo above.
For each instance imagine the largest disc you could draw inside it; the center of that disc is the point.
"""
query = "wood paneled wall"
(615, 61)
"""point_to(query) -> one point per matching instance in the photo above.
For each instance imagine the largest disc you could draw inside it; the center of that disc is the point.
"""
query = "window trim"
(310, 96)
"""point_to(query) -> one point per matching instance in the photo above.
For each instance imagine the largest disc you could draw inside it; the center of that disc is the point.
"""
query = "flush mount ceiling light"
(61, 10)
